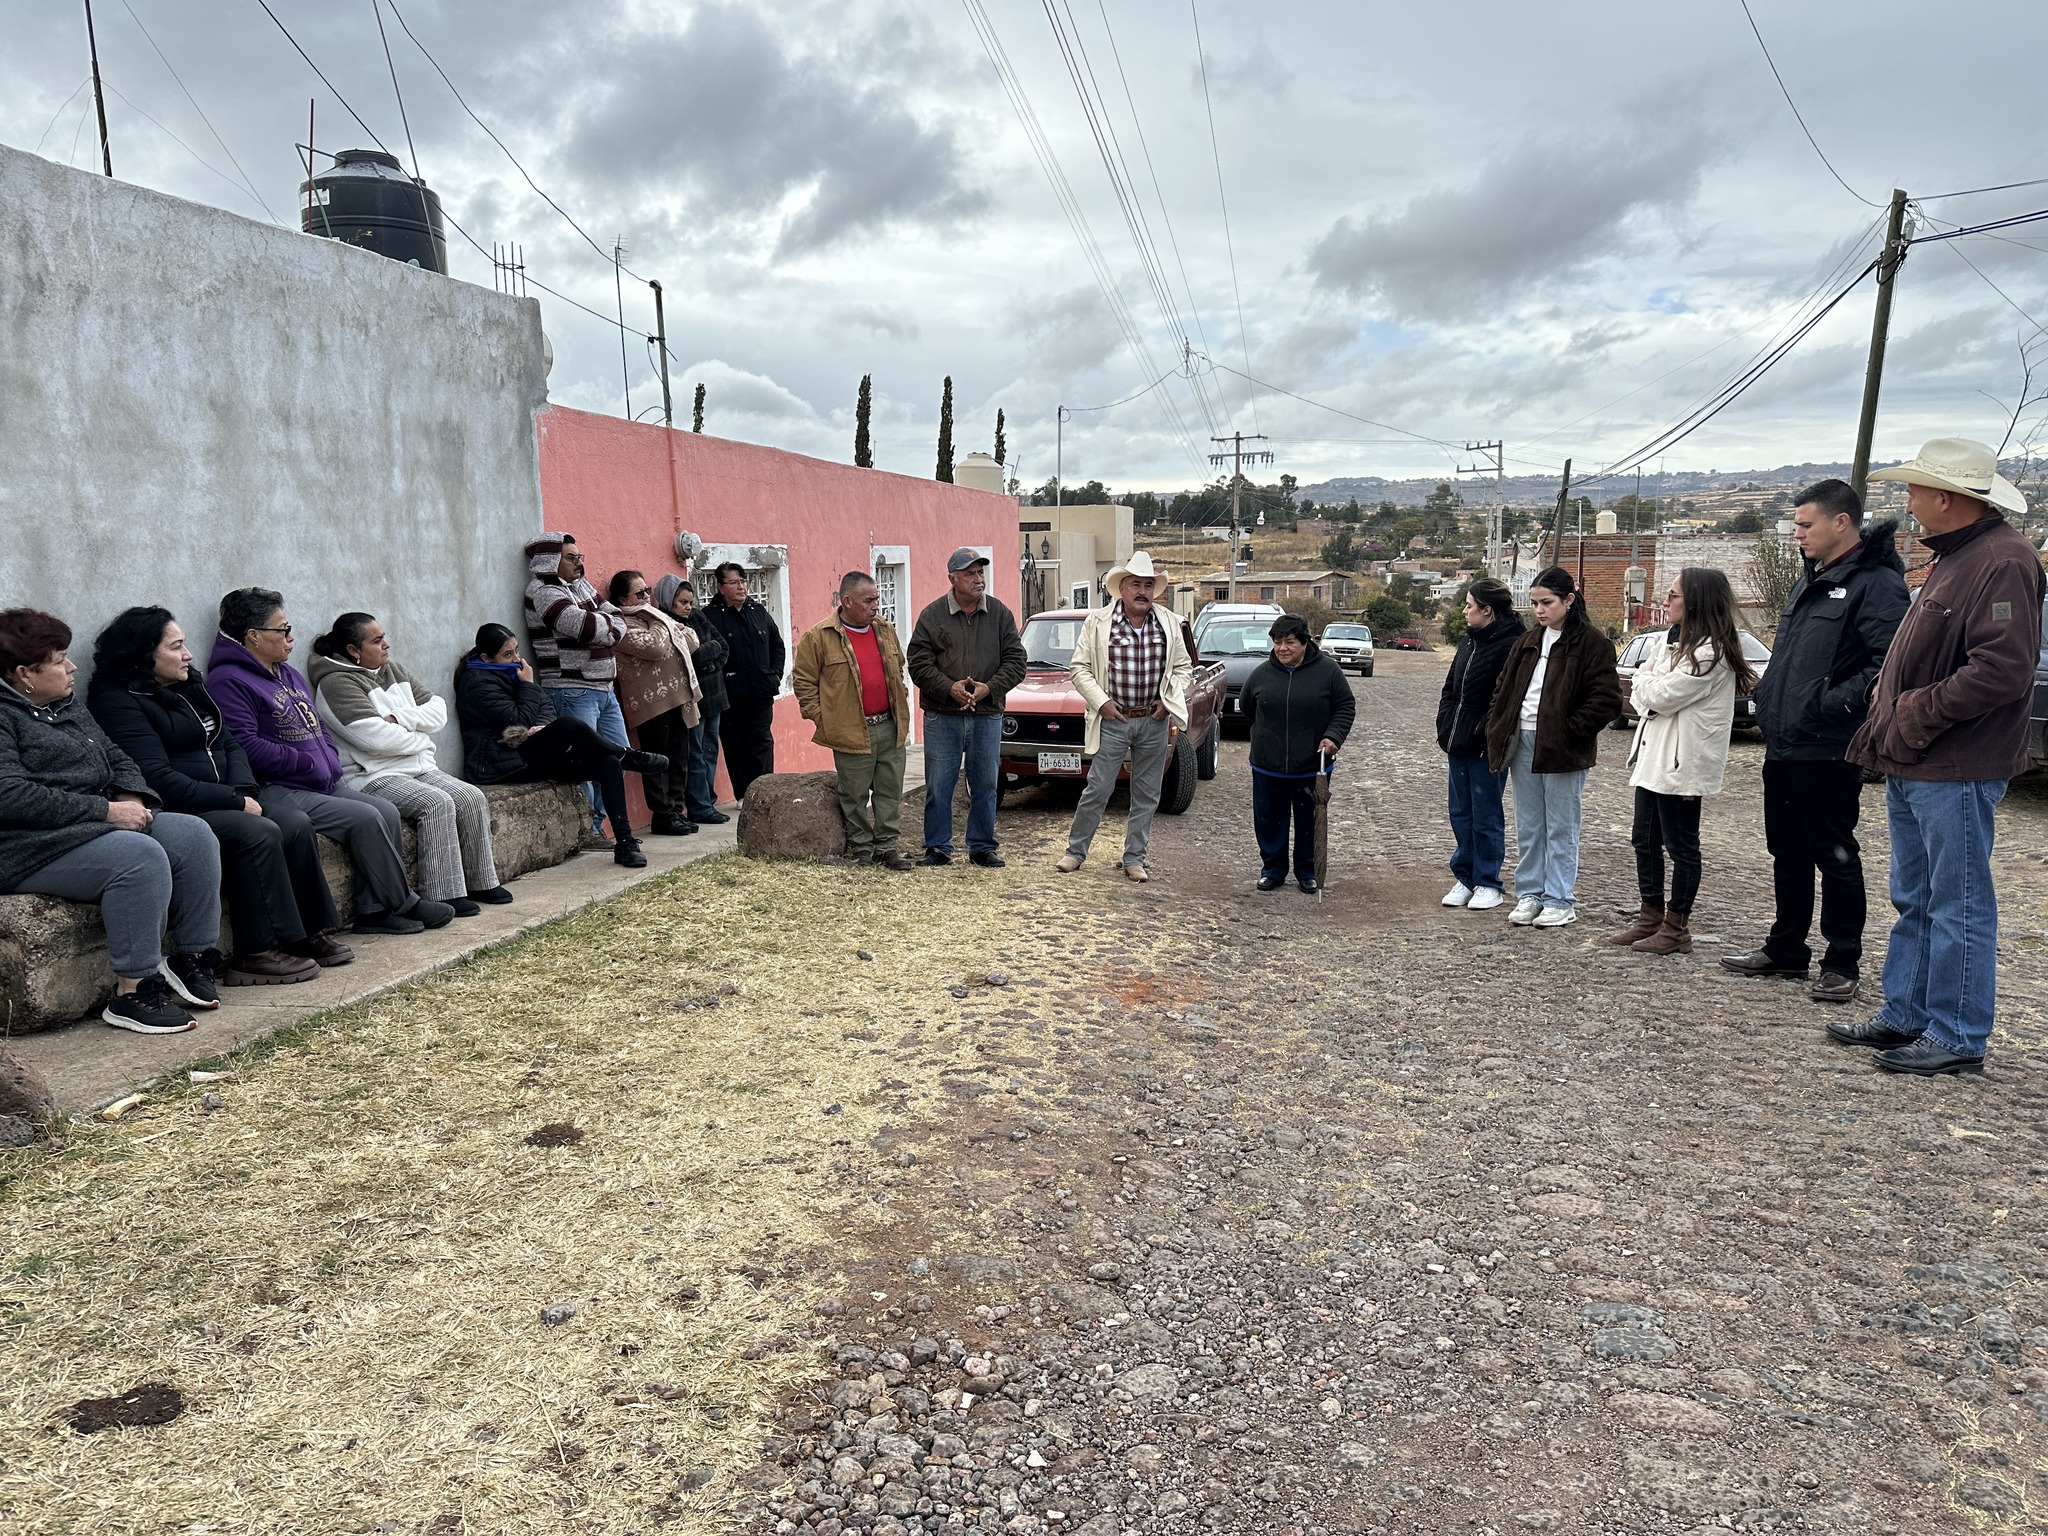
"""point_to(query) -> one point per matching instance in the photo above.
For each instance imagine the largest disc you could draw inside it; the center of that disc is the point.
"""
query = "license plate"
(1059, 762)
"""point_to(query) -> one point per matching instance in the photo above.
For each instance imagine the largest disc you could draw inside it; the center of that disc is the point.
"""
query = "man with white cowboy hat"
(1947, 728)
(1132, 668)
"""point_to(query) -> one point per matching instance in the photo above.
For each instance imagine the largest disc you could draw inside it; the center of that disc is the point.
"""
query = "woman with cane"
(1300, 708)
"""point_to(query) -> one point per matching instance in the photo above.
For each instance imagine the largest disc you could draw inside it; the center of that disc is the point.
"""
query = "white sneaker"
(1525, 911)
(1485, 899)
(1556, 917)
(1460, 894)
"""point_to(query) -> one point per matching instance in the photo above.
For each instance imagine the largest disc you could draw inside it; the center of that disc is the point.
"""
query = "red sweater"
(867, 659)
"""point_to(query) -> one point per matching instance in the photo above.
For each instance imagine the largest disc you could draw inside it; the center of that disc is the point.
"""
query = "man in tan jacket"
(848, 678)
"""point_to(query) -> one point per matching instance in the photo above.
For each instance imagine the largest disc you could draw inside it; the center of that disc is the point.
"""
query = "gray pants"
(368, 828)
(454, 824)
(1144, 742)
(877, 775)
(140, 879)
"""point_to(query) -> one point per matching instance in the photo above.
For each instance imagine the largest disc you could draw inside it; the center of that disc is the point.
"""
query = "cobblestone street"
(1255, 1213)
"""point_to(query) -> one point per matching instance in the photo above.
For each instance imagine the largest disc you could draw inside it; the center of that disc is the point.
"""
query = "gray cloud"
(1069, 333)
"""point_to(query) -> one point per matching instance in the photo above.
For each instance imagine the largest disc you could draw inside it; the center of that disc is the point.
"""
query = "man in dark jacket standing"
(965, 656)
(1832, 638)
(1479, 827)
(1947, 728)
(754, 657)
(1300, 708)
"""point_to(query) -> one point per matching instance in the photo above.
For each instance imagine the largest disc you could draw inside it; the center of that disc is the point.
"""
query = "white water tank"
(979, 472)
(1604, 523)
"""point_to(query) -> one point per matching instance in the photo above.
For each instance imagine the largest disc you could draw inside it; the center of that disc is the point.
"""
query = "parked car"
(1235, 646)
(1235, 613)
(1636, 650)
(2037, 733)
(1350, 646)
(1410, 643)
(1045, 721)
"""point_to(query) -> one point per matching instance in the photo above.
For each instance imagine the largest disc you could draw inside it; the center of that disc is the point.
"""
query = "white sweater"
(374, 747)
(1681, 744)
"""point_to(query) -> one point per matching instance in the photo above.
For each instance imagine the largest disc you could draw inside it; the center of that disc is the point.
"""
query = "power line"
(1127, 399)
(2007, 186)
(60, 112)
(403, 121)
(1957, 251)
(223, 143)
(116, 92)
(1384, 426)
(1796, 112)
(1229, 246)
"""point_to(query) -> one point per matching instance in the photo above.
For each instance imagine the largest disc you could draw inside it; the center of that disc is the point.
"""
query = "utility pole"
(660, 340)
(1059, 508)
(1496, 515)
(99, 95)
(1236, 458)
(1564, 491)
(1896, 238)
(619, 292)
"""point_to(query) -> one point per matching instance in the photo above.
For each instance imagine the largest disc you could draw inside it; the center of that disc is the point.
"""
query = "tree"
(1774, 565)
(1443, 498)
(945, 469)
(1337, 551)
(1312, 611)
(1002, 447)
(1745, 521)
(1388, 615)
(863, 408)
(1453, 626)
(697, 411)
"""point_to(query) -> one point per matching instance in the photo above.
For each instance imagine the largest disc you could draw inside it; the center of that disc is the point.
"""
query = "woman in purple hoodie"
(269, 711)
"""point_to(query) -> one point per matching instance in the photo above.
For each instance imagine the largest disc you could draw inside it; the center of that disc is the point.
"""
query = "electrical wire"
(223, 143)
(1229, 245)
(1957, 251)
(403, 121)
(1963, 230)
(2007, 186)
(1796, 113)
(1127, 399)
(115, 91)
(1384, 426)
(47, 131)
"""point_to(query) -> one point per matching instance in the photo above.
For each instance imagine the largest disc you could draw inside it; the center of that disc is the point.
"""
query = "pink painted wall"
(625, 489)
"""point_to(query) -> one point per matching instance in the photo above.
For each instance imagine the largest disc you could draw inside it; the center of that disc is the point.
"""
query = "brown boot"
(1671, 938)
(1646, 923)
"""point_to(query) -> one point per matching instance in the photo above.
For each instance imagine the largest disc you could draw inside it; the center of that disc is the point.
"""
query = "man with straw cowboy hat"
(1947, 728)
(1132, 668)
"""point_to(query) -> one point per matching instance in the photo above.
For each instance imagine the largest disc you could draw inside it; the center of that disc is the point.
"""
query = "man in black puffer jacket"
(1832, 638)
(1300, 708)
(1478, 823)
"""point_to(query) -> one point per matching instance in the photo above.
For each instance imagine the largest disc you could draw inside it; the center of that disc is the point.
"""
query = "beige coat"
(1090, 669)
(654, 676)
(1681, 745)
(826, 681)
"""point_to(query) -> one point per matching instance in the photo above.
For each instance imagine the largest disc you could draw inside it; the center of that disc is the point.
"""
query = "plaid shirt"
(1137, 662)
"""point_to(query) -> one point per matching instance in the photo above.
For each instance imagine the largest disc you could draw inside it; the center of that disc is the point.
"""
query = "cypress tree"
(863, 445)
(1002, 448)
(945, 470)
(697, 411)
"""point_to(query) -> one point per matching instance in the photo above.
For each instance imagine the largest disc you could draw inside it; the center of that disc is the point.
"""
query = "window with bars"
(889, 584)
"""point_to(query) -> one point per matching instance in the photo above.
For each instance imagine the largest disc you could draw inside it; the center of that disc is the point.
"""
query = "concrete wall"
(192, 402)
(625, 490)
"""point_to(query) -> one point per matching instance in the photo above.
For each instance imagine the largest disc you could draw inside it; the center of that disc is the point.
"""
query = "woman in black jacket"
(1301, 709)
(153, 704)
(678, 599)
(1478, 823)
(511, 735)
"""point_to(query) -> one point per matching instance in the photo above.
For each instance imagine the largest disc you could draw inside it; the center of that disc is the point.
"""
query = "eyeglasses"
(641, 592)
(269, 629)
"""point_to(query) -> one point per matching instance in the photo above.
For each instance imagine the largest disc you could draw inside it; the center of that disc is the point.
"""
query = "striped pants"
(454, 824)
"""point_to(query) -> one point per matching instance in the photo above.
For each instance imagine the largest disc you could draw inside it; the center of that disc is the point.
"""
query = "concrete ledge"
(53, 953)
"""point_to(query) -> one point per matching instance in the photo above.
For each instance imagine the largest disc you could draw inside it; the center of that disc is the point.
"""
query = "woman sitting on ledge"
(153, 705)
(78, 820)
(511, 735)
(382, 720)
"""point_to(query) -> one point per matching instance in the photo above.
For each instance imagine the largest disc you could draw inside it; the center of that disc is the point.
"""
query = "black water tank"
(366, 199)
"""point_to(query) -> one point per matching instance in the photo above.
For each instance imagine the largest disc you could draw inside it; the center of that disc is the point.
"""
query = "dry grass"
(343, 1268)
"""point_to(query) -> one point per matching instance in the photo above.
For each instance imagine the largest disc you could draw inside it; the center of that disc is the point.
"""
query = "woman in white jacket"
(1684, 698)
(382, 720)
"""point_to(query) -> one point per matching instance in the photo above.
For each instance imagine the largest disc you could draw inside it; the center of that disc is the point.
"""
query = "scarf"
(681, 635)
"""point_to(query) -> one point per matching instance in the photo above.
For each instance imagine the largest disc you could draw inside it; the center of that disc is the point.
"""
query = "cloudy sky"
(1562, 226)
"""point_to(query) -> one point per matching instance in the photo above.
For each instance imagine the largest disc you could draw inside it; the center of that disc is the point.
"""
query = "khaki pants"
(877, 774)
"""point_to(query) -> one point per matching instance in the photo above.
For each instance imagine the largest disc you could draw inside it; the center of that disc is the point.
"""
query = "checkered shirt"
(1137, 661)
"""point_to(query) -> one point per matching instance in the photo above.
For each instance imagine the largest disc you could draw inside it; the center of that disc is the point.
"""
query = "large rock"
(792, 816)
(23, 1093)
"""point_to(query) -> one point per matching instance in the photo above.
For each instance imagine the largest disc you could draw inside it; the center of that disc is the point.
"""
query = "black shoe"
(323, 951)
(464, 907)
(627, 852)
(674, 826)
(192, 977)
(934, 857)
(709, 818)
(896, 859)
(986, 860)
(1309, 885)
(1875, 1033)
(1834, 987)
(1271, 882)
(151, 1009)
(431, 914)
(496, 896)
(1761, 963)
(388, 922)
(1924, 1058)
(643, 762)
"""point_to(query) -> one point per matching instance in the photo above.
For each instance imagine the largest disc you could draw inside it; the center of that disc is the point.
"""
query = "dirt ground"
(1012, 1201)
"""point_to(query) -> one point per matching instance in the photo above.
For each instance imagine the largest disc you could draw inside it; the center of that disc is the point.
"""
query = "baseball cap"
(962, 558)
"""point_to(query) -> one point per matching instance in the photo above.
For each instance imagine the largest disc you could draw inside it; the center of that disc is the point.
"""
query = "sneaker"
(321, 950)
(934, 857)
(644, 762)
(496, 896)
(151, 1009)
(1525, 911)
(431, 914)
(1485, 899)
(192, 977)
(388, 922)
(463, 906)
(269, 968)
(1556, 917)
(1459, 895)
(628, 855)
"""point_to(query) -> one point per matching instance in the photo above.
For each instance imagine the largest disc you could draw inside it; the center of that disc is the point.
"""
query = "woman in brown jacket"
(1557, 692)
(658, 694)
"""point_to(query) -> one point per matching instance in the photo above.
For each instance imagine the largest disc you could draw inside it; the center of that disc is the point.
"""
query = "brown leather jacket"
(826, 681)
(1581, 698)
(1956, 690)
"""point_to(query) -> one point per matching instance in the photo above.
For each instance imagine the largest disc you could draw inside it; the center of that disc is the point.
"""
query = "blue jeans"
(1547, 814)
(1940, 970)
(700, 794)
(1477, 822)
(599, 709)
(947, 740)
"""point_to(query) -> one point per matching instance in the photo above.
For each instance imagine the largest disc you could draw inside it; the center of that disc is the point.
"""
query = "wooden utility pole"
(1564, 491)
(1880, 324)
(1236, 457)
(660, 340)
(99, 96)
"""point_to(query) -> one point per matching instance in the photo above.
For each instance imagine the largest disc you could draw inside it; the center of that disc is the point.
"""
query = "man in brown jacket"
(848, 679)
(1947, 728)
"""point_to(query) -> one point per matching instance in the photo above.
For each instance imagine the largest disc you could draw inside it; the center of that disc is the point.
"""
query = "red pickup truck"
(1045, 722)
